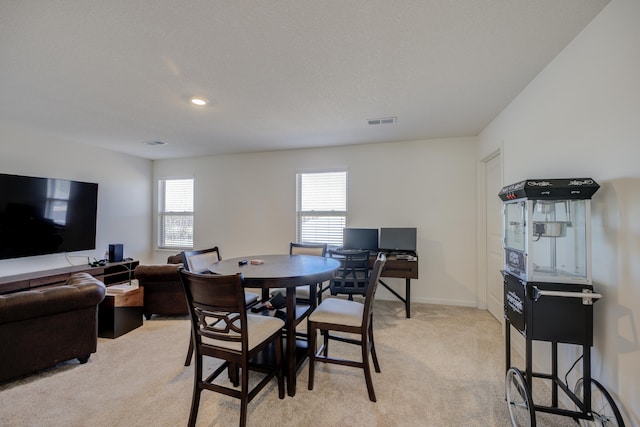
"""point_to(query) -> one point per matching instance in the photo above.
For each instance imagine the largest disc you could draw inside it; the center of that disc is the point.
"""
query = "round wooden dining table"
(283, 271)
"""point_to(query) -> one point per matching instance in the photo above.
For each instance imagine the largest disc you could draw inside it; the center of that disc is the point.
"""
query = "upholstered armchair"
(43, 327)
(163, 292)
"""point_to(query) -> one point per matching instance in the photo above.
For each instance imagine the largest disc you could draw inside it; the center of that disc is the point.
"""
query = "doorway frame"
(481, 203)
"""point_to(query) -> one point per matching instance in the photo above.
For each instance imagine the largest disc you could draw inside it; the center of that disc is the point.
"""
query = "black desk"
(395, 268)
(401, 269)
(284, 271)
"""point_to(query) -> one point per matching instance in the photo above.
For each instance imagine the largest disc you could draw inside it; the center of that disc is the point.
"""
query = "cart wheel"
(604, 409)
(521, 408)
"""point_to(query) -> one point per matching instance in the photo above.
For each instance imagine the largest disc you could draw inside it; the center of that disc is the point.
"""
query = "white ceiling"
(279, 74)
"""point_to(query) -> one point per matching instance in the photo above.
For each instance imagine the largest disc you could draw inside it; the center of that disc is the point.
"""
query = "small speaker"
(115, 252)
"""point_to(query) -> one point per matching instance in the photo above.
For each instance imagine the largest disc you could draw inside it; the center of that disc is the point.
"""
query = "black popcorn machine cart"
(548, 294)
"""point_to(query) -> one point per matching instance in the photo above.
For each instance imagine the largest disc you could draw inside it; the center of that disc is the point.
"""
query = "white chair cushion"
(301, 291)
(303, 250)
(338, 311)
(200, 263)
(250, 297)
(260, 328)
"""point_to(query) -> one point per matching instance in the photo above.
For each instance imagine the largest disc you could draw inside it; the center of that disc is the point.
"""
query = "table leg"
(407, 298)
(290, 352)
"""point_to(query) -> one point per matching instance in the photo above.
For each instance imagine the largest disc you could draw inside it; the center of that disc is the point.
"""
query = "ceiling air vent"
(383, 121)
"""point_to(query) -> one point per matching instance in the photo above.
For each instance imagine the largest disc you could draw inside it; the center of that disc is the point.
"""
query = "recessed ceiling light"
(199, 101)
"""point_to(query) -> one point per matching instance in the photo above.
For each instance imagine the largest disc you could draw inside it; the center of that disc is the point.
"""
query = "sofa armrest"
(80, 291)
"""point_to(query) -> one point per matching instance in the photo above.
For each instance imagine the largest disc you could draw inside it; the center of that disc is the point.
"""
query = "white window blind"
(175, 213)
(321, 207)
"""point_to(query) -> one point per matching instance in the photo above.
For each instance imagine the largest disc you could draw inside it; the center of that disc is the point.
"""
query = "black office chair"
(352, 277)
(222, 329)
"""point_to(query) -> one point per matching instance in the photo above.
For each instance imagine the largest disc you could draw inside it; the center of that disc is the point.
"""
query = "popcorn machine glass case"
(547, 240)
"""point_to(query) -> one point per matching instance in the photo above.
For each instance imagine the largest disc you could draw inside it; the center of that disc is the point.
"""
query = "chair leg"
(325, 353)
(279, 361)
(374, 356)
(195, 400)
(244, 399)
(367, 368)
(233, 374)
(187, 362)
(312, 335)
(195, 403)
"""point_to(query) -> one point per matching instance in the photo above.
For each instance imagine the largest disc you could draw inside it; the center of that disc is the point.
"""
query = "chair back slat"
(219, 325)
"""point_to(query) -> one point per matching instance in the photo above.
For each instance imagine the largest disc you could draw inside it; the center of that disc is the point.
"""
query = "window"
(321, 207)
(175, 213)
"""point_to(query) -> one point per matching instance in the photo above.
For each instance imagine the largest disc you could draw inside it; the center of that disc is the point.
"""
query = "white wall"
(246, 204)
(581, 117)
(124, 192)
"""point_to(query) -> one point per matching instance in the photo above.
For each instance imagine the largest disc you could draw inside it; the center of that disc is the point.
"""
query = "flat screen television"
(398, 239)
(360, 238)
(40, 216)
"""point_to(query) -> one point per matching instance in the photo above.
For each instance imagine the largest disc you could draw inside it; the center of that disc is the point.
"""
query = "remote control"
(243, 262)
(258, 308)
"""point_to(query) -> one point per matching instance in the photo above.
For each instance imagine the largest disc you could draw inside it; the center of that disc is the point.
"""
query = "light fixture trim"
(199, 101)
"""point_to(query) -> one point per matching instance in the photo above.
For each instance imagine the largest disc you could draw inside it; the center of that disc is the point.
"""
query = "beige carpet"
(442, 367)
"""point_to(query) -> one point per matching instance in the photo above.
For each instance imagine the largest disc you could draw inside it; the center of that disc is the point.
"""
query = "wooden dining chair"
(198, 261)
(341, 315)
(311, 294)
(222, 329)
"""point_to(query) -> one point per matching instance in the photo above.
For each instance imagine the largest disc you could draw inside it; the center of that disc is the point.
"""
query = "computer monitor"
(360, 238)
(398, 239)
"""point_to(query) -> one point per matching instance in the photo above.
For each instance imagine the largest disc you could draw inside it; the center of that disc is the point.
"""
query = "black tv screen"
(40, 216)
(360, 238)
(398, 239)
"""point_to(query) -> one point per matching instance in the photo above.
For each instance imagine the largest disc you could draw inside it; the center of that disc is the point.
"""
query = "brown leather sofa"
(163, 292)
(41, 328)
